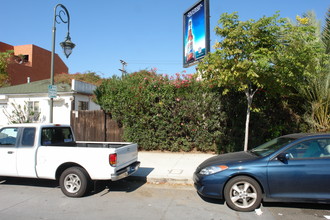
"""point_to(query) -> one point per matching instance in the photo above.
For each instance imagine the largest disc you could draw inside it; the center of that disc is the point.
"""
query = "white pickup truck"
(49, 151)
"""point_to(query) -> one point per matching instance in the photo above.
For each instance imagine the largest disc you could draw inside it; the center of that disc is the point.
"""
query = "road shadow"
(318, 206)
(142, 173)
(212, 200)
(128, 184)
(293, 205)
(124, 185)
(29, 182)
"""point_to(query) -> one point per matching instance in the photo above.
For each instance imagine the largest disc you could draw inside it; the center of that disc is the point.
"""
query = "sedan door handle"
(10, 152)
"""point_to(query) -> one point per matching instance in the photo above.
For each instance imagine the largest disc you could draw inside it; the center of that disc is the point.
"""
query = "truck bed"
(100, 144)
(91, 144)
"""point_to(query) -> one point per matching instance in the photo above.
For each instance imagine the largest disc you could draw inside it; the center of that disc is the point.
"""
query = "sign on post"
(52, 91)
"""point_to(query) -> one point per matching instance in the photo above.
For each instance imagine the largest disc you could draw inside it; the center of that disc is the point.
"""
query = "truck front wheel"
(74, 182)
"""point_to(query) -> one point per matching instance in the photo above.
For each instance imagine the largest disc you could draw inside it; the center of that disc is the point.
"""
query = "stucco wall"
(36, 68)
(61, 111)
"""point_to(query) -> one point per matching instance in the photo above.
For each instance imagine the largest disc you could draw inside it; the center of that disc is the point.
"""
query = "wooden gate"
(95, 126)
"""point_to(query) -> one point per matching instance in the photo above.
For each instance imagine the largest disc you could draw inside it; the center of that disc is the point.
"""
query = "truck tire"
(74, 182)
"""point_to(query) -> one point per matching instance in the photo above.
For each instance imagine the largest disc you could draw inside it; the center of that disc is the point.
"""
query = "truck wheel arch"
(65, 166)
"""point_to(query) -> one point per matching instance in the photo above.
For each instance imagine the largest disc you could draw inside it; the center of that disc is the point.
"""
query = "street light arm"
(63, 12)
(64, 17)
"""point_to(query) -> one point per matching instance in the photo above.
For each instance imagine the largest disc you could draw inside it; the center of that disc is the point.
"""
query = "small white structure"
(34, 96)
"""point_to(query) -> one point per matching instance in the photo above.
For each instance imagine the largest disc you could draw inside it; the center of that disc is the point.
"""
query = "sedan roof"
(302, 135)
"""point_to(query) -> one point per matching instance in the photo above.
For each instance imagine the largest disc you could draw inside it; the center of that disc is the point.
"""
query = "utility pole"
(123, 71)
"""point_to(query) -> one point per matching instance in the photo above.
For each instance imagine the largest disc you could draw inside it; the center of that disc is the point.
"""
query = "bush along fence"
(179, 113)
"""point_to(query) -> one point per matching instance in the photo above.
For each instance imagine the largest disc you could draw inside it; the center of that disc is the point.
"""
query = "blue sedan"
(291, 168)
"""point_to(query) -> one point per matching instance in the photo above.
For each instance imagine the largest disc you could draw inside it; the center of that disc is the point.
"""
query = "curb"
(162, 180)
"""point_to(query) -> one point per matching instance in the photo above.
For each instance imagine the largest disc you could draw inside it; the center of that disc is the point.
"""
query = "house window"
(33, 106)
(25, 58)
(82, 105)
(20, 59)
(34, 111)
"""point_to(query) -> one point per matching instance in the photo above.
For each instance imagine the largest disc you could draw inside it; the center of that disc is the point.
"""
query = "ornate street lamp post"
(67, 45)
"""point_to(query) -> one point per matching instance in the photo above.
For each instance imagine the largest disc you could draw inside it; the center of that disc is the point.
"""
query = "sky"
(146, 34)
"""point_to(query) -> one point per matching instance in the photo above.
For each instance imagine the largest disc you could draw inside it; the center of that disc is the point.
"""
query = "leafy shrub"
(166, 113)
(182, 113)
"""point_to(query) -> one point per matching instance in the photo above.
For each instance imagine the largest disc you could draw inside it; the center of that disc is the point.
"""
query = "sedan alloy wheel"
(243, 193)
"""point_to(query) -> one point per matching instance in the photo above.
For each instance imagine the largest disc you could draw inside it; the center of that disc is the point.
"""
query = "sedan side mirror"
(283, 157)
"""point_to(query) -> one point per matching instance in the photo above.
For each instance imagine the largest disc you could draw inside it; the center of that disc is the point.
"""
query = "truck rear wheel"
(74, 182)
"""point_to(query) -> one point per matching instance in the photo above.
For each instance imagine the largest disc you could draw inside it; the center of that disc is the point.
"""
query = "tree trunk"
(247, 122)
(249, 96)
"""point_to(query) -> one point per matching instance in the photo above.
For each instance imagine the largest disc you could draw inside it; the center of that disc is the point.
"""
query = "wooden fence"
(95, 126)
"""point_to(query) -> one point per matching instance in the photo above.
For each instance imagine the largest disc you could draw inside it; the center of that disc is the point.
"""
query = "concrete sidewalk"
(173, 168)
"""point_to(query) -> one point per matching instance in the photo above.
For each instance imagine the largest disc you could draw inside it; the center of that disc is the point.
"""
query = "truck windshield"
(60, 136)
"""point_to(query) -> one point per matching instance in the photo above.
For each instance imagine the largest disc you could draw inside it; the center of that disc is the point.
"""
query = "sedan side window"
(310, 149)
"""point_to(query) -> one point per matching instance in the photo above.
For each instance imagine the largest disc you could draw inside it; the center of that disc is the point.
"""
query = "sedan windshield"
(271, 146)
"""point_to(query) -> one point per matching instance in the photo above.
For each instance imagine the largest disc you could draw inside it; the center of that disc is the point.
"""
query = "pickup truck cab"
(49, 151)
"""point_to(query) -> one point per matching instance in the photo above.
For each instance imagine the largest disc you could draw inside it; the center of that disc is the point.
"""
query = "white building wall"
(62, 110)
(82, 87)
(7, 107)
(62, 105)
(83, 98)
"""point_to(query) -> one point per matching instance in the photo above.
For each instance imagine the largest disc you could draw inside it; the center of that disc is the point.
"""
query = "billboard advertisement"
(196, 32)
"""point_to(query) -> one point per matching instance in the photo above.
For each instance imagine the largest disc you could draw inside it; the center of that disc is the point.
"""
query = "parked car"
(291, 168)
(49, 151)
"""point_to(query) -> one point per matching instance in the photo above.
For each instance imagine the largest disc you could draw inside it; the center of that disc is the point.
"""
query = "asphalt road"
(127, 199)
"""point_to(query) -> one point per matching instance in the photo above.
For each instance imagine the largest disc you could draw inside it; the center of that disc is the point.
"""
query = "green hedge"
(159, 112)
(182, 113)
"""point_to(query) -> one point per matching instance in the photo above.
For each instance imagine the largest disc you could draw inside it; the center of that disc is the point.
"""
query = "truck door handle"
(10, 152)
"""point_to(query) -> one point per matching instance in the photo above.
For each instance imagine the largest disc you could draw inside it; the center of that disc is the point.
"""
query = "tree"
(21, 114)
(318, 103)
(269, 54)
(4, 61)
(326, 33)
(317, 93)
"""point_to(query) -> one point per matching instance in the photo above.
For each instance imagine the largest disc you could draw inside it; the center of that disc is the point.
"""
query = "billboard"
(196, 33)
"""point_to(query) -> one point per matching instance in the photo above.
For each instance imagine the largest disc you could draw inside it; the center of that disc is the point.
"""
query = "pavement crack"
(163, 217)
(14, 205)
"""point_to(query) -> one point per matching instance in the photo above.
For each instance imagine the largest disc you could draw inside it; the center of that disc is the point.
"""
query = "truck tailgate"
(127, 153)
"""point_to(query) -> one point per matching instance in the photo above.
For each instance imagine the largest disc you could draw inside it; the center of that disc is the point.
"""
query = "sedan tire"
(243, 193)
